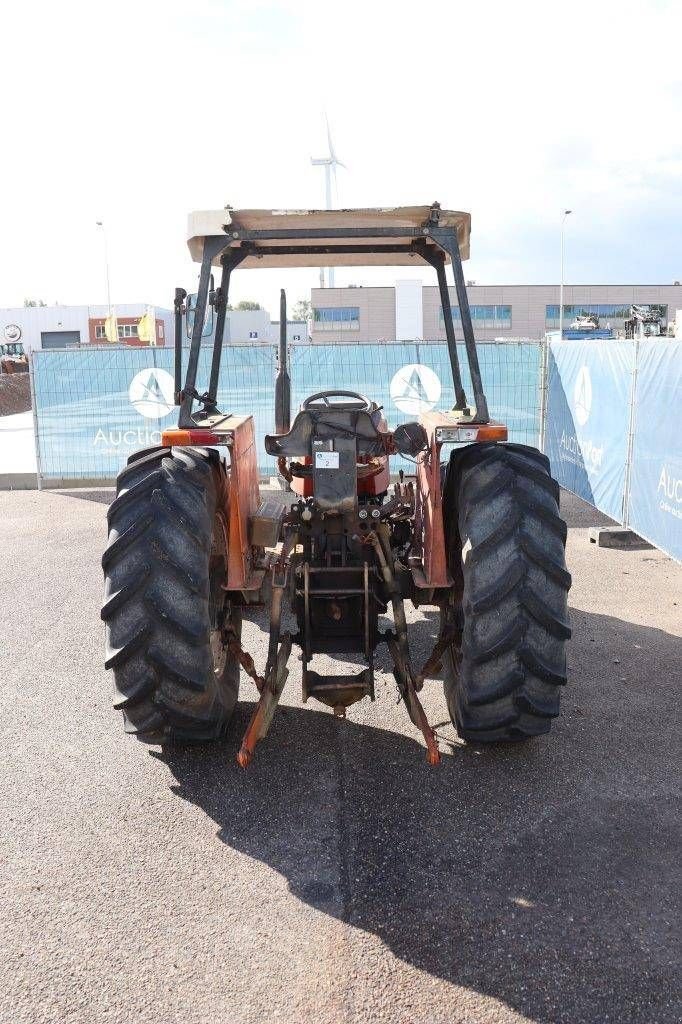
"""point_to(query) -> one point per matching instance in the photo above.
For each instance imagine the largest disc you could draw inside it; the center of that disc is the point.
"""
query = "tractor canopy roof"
(385, 236)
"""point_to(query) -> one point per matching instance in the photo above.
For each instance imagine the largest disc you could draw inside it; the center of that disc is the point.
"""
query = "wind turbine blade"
(332, 154)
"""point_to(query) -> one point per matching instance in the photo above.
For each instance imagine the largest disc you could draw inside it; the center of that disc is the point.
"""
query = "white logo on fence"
(582, 396)
(415, 388)
(151, 392)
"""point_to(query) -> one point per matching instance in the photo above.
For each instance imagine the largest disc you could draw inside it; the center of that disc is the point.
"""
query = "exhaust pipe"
(282, 380)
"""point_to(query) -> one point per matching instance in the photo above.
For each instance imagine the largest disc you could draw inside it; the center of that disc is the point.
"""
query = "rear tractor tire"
(504, 672)
(168, 617)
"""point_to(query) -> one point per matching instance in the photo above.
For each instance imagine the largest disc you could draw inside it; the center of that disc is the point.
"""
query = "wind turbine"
(330, 163)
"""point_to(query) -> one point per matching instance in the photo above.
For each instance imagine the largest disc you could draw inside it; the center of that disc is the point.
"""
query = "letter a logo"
(415, 388)
(151, 392)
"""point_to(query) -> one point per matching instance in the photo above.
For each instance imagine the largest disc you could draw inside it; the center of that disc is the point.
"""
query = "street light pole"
(106, 263)
(561, 279)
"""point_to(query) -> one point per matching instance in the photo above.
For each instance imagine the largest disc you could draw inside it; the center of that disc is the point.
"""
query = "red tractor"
(476, 532)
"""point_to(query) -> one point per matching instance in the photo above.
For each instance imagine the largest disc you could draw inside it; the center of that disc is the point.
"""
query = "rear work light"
(461, 435)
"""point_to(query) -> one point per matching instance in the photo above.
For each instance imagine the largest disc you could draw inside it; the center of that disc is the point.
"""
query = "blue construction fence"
(612, 433)
(94, 407)
(609, 414)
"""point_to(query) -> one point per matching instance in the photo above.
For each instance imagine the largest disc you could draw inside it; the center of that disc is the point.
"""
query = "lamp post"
(561, 279)
(100, 224)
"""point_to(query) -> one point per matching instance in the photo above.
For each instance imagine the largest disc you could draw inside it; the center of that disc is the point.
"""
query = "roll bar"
(431, 242)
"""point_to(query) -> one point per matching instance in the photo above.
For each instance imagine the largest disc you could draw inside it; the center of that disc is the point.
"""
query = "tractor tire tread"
(156, 604)
(501, 513)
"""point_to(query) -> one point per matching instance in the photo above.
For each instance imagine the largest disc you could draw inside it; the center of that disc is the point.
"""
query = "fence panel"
(510, 372)
(588, 418)
(655, 492)
(94, 407)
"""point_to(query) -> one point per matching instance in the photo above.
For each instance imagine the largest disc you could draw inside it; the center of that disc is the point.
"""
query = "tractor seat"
(324, 420)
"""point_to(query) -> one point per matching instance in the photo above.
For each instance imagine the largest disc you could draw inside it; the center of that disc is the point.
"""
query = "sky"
(135, 113)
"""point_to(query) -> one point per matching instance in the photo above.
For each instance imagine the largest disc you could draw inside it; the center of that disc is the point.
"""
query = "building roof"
(211, 223)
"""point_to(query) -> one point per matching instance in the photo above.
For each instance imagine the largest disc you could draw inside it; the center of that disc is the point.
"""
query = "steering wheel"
(321, 400)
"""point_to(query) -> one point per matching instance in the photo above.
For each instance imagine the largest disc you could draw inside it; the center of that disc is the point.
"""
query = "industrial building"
(405, 311)
(45, 327)
(409, 309)
(42, 327)
(254, 325)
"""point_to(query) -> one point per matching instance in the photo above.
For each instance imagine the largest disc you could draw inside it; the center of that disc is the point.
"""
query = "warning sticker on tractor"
(326, 460)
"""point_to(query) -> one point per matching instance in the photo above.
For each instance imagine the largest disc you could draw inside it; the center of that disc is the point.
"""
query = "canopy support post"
(460, 397)
(446, 238)
(437, 260)
(212, 247)
(179, 308)
(229, 261)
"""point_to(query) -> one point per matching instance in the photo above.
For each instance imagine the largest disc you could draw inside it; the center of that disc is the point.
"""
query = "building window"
(124, 331)
(337, 318)
(127, 330)
(489, 317)
(606, 311)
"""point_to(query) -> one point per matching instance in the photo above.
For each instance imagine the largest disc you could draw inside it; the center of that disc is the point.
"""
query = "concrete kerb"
(617, 537)
(19, 482)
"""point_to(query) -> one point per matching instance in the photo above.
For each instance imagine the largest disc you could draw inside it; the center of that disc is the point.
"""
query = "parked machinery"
(644, 322)
(476, 531)
(585, 322)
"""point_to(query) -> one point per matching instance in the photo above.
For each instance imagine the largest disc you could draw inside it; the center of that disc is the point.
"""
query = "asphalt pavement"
(340, 879)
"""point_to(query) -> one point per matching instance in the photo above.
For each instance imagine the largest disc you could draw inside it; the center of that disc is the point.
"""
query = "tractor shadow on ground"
(543, 875)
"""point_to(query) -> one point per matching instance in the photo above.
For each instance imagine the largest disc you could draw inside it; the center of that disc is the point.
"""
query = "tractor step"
(338, 692)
